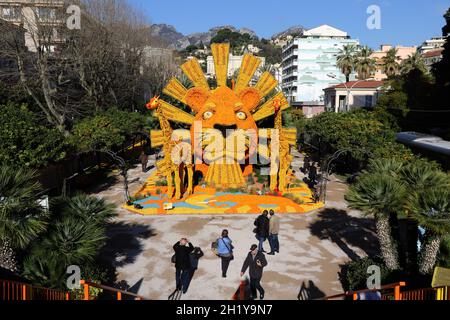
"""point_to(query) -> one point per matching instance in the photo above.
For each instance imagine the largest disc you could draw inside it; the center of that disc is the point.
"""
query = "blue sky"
(403, 22)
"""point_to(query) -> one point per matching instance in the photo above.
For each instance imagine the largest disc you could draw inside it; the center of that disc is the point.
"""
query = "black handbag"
(174, 259)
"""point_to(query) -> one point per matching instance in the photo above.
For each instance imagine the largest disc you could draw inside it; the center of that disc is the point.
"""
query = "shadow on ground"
(124, 242)
(344, 230)
(106, 184)
(310, 292)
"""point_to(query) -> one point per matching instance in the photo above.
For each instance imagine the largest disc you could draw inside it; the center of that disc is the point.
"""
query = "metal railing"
(440, 293)
(396, 294)
(119, 294)
(17, 291)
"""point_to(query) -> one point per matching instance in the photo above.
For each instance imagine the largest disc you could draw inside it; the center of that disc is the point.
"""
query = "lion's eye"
(208, 115)
(241, 115)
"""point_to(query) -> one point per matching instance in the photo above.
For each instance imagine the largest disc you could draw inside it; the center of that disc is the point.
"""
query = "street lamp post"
(349, 90)
(289, 92)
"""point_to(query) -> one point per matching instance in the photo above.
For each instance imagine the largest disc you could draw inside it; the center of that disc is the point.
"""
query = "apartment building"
(433, 44)
(308, 60)
(402, 54)
(42, 19)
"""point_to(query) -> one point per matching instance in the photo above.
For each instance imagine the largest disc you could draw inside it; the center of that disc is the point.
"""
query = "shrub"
(359, 132)
(353, 274)
(106, 130)
(25, 142)
(161, 183)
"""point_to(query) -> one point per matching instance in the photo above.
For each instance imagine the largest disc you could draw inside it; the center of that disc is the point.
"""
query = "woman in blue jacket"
(225, 251)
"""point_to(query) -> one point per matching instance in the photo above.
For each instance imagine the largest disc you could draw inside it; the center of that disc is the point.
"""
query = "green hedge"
(106, 130)
(24, 141)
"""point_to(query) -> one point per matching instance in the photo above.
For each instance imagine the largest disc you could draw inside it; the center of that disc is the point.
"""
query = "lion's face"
(226, 111)
(224, 108)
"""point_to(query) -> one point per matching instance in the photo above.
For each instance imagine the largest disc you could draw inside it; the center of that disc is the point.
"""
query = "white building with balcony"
(432, 44)
(307, 62)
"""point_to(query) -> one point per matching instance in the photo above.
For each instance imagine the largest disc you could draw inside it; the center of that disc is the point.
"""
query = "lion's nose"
(225, 130)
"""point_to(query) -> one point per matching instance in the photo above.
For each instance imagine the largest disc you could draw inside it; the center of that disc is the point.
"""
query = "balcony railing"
(290, 64)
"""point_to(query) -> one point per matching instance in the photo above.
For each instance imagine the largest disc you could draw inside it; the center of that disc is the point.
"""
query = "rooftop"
(325, 31)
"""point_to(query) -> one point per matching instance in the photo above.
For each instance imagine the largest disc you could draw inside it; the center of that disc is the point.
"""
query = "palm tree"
(414, 61)
(78, 231)
(74, 238)
(365, 65)
(390, 166)
(379, 195)
(266, 68)
(431, 209)
(90, 209)
(74, 241)
(390, 64)
(346, 60)
(40, 269)
(422, 176)
(22, 218)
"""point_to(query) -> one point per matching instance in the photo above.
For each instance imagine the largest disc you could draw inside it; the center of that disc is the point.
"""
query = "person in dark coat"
(194, 257)
(255, 262)
(183, 263)
(262, 224)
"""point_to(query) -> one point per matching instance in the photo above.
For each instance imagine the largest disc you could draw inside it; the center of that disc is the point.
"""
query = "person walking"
(143, 158)
(274, 230)
(255, 262)
(262, 224)
(194, 258)
(182, 263)
(225, 251)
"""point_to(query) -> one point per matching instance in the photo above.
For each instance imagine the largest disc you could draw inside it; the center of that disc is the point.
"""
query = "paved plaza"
(313, 246)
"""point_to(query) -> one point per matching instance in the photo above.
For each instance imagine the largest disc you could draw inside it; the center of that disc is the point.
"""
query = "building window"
(46, 14)
(363, 101)
(11, 13)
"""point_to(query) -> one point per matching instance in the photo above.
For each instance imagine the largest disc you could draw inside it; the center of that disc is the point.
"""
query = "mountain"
(290, 31)
(166, 32)
(178, 41)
